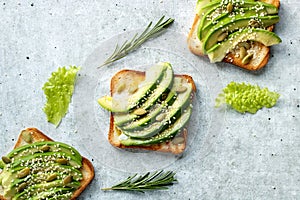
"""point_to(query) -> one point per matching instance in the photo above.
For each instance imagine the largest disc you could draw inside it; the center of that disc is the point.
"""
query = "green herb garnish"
(158, 180)
(138, 40)
(246, 97)
(58, 91)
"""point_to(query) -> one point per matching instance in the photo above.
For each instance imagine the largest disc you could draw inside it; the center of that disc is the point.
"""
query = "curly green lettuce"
(246, 97)
(59, 90)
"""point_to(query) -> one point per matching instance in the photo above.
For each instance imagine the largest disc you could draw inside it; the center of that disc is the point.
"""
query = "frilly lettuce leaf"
(246, 97)
(59, 90)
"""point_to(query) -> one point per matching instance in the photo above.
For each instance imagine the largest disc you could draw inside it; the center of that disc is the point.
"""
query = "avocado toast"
(235, 31)
(40, 168)
(158, 120)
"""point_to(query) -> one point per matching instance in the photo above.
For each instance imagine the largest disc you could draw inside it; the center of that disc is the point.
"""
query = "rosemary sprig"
(138, 40)
(158, 180)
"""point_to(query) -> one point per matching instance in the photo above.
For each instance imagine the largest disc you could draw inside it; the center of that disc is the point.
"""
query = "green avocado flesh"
(219, 19)
(153, 76)
(157, 109)
(162, 88)
(171, 114)
(161, 115)
(234, 24)
(215, 4)
(219, 51)
(165, 135)
(212, 17)
(41, 170)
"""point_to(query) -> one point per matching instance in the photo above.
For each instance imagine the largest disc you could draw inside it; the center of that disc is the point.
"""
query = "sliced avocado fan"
(219, 19)
(160, 115)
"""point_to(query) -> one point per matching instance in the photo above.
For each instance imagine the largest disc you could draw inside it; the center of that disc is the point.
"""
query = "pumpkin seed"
(164, 96)
(229, 7)
(178, 140)
(6, 160)
(160, 117)
(26, 136)
(121, 87)
(23, 173)
(222, 36)
(140, 111)
(254, 23)
(67, 180)
(51, 177)
(245, 44)
(62, 161)
(181, 89)
(247, 59)
(21, 187)
(45, 148)
(243, 52)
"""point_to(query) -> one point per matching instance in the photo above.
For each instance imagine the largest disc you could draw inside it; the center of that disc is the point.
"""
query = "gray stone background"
(253, 157)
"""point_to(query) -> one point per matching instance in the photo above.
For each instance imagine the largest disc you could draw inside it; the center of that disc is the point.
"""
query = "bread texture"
(87, 168)
(262, 52)
(131, 77)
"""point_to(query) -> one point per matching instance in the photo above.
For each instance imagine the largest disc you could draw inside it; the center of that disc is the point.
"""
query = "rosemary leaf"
(131, 45)
(158, 180)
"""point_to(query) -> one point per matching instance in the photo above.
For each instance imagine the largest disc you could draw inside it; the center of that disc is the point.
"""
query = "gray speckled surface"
(251, 156)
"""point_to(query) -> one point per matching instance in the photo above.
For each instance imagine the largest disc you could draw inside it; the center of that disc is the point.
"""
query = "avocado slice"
(41, 177)
(216, 14)
(36, 189)
(40, 147)
(271, 9)
(46, 157)
(158, 109)
(162, 88)
(150, 117)
(61, 197)
(172, 113)
(201, 3)
(11, 183)
(219, 51)
(153, 75)
(167, 134)
(2, 164)
(45, 194)
(231, 24)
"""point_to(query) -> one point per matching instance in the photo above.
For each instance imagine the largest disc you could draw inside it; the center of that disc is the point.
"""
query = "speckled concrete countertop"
(249, 157)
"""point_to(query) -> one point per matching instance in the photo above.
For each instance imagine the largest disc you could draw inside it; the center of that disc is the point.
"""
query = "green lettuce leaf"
(246, 97)
(59, 90)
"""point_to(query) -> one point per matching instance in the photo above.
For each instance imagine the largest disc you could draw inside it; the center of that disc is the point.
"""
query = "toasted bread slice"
(87, 168)
(261, 55)
(131, 77)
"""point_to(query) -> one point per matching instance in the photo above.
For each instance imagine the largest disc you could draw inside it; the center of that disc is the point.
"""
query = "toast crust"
(262, 52)
(135, 77)
(87, 168)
